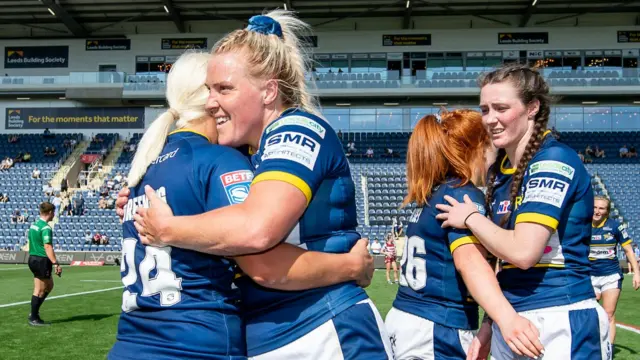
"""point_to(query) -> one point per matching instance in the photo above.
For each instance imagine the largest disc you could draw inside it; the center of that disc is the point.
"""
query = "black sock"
(45, 296)
(35, 306)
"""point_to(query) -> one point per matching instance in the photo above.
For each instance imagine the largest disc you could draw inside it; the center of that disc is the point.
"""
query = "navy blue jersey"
(604, 247)
(177, 303)
(304, 151)
(430, 285)
(556, 192)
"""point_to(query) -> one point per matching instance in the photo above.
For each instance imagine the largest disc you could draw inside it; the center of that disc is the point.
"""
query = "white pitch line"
(628, 328)
(18, 268)
(62, 296)
(108, 281)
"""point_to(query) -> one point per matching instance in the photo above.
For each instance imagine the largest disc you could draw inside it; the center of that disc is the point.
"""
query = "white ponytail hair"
(186, 95)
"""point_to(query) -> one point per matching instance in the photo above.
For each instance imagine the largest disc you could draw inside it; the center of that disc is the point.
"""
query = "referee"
(41, 260)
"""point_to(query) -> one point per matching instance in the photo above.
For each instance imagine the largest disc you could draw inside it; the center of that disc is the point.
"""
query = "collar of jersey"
(511, 171)
(601, 224)
(190, 131)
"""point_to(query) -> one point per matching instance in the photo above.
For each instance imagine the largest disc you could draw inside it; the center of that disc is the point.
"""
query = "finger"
(142, 212)
(527, 339)
(444, 207)
(445, 224)
(514, 348)
(139, 218)
(467, 199)
(124, 192)
(139, 228)
(534, 336)
(143, 239)
(473, 350)
(518, 342)
(442, 216)
(451, 200)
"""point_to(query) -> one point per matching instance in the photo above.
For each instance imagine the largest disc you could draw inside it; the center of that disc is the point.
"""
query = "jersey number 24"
(164, 283)
(414, 268)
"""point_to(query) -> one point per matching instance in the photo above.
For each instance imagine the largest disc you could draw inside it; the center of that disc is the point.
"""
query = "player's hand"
(454, 215)
(149, 222)
(522, 336)
(58, 270)
(123, 197)
(636, 280)
(363, 263)
(481, 344)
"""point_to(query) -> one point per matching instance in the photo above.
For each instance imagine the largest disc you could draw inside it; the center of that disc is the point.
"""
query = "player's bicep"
(622, 235)
(47, 236)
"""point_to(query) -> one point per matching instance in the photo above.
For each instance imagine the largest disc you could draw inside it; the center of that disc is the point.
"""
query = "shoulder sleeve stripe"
(46, 227)
(463, 241)
(288, 178)
(537, 218)
(626, 242)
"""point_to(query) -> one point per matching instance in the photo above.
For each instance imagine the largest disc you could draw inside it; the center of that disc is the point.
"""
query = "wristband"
(468, 216)
(55, 264)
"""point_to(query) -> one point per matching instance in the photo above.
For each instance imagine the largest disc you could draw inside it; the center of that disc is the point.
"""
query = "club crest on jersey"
(236, 184)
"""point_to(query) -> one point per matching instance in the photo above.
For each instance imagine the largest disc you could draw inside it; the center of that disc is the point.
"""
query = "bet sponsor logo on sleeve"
(236, 185)
(293, 146)
(551, 166)
(546, 190)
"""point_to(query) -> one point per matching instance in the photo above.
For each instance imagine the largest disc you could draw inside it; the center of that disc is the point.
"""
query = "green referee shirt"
(40, 233)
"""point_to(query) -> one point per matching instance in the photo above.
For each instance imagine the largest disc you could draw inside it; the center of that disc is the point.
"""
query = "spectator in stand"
(47, 152)
(111, 201)
(351, 147)
(96, 238)
(54, 152)
(73, 143)
(64, 185)
(4, 198)
(13, 139)
(26, 157)
(103, 152)
(581, 156)
(82, 179)
(78, 205)
(25, 215)
(57, 202)
(7, 163)
(376, 247)
(14, 217)
(397, 228)
(47, 133)
(110, 183)
(66, 205)
(102, 203)
(87, 237)
(370, 153)
(624, 151)
(104, 240)
(18, 158)
(599, 153)
(118, 178)
(340, 134)
(104, 191)
(48, 189)
(132, 148)
(66, 143)
(91, 194)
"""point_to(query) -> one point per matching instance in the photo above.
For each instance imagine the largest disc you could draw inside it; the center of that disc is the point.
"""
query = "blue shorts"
(354, 334)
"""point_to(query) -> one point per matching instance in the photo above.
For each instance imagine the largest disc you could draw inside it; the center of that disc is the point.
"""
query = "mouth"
(496, 131)
(221, 120)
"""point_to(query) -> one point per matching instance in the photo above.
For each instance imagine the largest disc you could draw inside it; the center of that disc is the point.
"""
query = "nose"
(212, 104)
(490, 118)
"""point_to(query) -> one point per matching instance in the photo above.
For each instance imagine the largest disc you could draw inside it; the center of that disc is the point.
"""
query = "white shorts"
(577, 331)
(414, 337)
(354, 334)
(603, 283)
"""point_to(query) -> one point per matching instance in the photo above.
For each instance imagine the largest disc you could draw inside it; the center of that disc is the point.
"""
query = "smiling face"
(236, 100)
(600, 210)
(504, 115)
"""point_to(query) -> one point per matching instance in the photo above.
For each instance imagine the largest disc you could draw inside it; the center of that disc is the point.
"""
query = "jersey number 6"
(414, 269)
(164, 283)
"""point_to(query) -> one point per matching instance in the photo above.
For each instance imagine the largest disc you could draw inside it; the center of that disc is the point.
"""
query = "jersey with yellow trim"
(179, 303)
(556, 192)
(40, 233)
(303, 150)
(604, 247)
(430, 285)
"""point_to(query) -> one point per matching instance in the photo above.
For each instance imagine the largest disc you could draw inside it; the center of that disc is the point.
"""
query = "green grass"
(84, 326)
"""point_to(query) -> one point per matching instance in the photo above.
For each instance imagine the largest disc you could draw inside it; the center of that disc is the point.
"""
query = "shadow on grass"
(91, 317)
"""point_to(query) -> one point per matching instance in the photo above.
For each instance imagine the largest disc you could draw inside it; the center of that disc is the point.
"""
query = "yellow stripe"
(504, 170)
(536, 266)
(601, 224)
(602, 245)
(546, 133)
(463, 241)
(538, 219)
(288, 178)
(626, 243)
(191, 131)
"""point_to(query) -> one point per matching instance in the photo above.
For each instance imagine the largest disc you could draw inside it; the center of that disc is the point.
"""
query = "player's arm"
(288, 267)
(47, 239)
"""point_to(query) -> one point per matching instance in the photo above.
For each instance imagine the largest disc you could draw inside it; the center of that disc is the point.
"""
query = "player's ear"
(270, 91)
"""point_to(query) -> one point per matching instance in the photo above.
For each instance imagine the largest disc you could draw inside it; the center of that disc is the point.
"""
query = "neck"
(43, 218)
(598, 223)
(271, 114)
(206, 128)
(514, 153)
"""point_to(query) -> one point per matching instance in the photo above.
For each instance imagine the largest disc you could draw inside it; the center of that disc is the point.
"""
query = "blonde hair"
(603, 198)
(273, 57)
(186, 95)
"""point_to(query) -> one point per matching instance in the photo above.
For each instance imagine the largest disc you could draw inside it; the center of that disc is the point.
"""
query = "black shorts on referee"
(40, 267)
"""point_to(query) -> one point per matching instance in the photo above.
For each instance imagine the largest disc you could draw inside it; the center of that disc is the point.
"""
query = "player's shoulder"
(296, 120)
(212, 154)
(457, 191)
(557, 158)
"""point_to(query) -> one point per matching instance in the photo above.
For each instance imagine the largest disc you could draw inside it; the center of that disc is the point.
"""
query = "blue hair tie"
(265, 25)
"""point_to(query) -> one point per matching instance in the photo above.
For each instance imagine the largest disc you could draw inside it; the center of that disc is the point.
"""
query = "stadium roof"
(85, 18)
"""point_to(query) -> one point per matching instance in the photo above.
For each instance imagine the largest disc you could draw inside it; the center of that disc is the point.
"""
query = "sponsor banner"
(546, 190)
(31, 57)
(87, 263)
(406, 40)
(236, 184)
(75, 118)
(628, 36)
(293, 146)
(89, 158)
(67, 258)
(523, 38)
(107, 258)
(13, 257)
(184, 43)
(107, 44)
